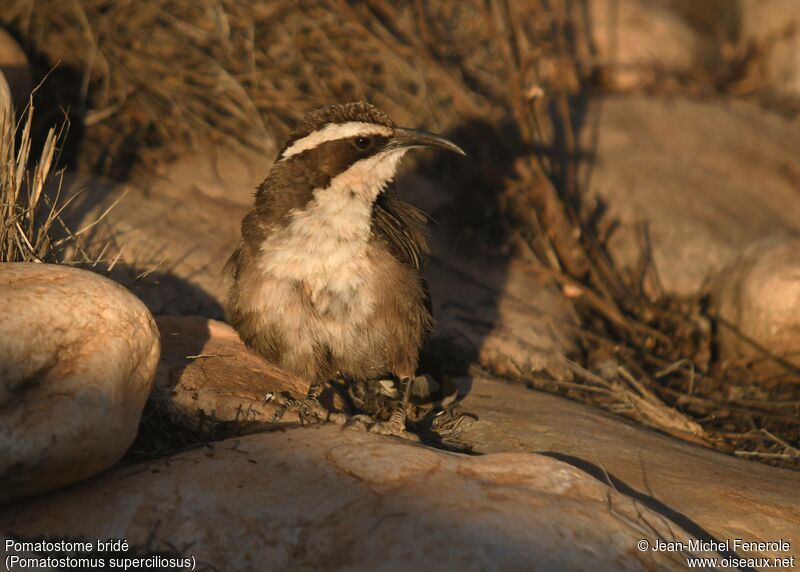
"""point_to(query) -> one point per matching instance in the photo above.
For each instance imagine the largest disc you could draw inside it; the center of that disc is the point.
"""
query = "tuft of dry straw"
(31, 227)
(166, 73)
(27, 216)
(645, 355)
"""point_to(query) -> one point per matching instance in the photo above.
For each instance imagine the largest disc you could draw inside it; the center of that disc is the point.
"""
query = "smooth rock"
(706, 179)
(710, 494)
(77, 358)
(207, 376)
(328, 499)
(16, 69)
(503, 316)
(751, 500)
(639, 40)
(774, 27)
(757, 298)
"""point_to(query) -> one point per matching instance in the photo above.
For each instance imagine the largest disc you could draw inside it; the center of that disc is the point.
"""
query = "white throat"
(325, 242)
(366, 178)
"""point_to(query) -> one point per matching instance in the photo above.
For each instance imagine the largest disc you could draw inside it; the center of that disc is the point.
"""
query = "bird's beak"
(408, 138)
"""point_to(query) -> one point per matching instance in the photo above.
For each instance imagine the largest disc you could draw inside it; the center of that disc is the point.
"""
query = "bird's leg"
(310, 407)
(398, 418)
(301, 406)
(285, 403)
(307, 408)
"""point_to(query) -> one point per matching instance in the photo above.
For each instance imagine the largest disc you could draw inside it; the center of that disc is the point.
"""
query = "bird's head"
(354, 148)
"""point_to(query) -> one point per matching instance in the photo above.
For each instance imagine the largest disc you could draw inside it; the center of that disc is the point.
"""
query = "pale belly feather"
(315, 281)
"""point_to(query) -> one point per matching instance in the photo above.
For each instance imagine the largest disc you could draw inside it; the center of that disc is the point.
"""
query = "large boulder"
(77, 358)
(757, 299)
(638, 41)
(328, 499)
(749, 501)
(773, 27)
(703, 179)
(207, 379)
(752, 501)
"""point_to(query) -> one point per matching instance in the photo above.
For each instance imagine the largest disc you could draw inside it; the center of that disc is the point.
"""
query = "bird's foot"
(394, 426)
(359, 422)
(308, 409)
(285, 403)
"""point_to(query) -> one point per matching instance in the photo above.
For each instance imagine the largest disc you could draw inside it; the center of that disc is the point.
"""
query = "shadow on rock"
(166, 293)
(468, 235)
(650, 502)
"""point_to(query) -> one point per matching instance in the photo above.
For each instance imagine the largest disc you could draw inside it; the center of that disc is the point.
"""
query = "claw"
(285, 403)
(368, 424)
(390, 427)
(308, 409)
(359, 422)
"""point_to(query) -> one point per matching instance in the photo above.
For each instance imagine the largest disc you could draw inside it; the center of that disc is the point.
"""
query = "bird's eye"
(363, 143)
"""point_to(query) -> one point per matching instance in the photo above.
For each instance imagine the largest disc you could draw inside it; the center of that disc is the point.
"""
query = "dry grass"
(238, 72)
(27, 216)
(161, 73)
(646, 355)
(31, 226)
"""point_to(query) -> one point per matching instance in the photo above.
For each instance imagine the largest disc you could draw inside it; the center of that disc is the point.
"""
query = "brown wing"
(402, 226)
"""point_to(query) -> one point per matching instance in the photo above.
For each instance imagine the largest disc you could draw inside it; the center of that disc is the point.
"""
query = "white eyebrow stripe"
(332, 132)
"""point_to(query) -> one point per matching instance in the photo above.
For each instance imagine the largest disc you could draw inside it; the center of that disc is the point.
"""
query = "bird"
(327, 278)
